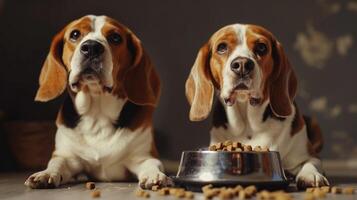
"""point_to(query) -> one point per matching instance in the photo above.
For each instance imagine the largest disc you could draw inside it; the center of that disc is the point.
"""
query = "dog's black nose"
(92, 49)
(242, 65)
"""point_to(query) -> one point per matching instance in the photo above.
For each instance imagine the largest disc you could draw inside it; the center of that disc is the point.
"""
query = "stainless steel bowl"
(263, 169)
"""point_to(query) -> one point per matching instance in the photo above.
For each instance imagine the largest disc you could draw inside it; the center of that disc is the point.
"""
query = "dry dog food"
(90, 185)
(164, 191)
(95, 193)
(177, 192)
(155, 188)
(142, 193)
(326, 189)
(336, 190)
(235, 146)
(228, 193)
(189, 195)
(348, 190)
(277, 195)
(321, 192)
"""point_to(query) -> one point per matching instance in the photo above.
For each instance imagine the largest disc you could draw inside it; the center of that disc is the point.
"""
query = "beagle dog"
(256, 87)
(105, 122)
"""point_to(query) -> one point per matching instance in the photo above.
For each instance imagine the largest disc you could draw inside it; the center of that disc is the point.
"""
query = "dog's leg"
(149, 171)
(59, 171)
(310, 175)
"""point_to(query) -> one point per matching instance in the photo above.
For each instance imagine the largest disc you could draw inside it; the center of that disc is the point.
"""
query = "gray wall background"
(319, 37)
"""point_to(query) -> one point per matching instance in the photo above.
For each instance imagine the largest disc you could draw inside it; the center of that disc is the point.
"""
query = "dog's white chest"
(245, 124)
(95, 139)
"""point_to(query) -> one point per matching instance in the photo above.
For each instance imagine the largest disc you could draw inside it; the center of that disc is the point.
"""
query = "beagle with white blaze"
(256, 87)
(105, 123)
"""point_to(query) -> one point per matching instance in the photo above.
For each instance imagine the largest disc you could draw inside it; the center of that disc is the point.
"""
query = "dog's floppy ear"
(199, 86)
(141, 81)
(53, 76)
(283, 83)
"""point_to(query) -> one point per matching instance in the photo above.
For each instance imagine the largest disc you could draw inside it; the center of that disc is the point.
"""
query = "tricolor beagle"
(105, 123)
(256, 87)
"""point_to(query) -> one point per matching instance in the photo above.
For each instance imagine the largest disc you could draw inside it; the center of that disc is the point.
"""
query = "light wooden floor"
(11, 187)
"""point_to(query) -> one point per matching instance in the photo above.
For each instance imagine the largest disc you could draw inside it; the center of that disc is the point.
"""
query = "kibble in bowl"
(231, 163)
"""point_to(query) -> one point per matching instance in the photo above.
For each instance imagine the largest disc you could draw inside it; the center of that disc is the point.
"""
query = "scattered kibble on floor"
(239, 192)
(96, 193)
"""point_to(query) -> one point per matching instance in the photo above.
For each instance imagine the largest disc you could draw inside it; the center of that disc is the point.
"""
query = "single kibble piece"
(225, 195)
(207, 187)
(326, 189)
(318, 193)
(336, 190)
(237, 189)
(263, 195)
(236, 144)
(230, 148)
(155, 188)
(250, 190)
(219, 145)
(146, 195)
(265, 149)
(90, 185)
(282, 196)
(348, 190)
(242, 195)
(189, 195)
(238, 149)
(139, 193)
(257, 148)
(164, 191)
(212, 148)
(310, 190)
(227, 143)
(215, 191)
(180, 193)
(96, 193)
(229, 193)
(247, 148)
(209, 194)
(172, 191)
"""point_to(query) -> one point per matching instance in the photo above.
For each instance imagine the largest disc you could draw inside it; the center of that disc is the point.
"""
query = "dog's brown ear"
(199, 86)
(141, 81)
(283, 83)
(53, 76)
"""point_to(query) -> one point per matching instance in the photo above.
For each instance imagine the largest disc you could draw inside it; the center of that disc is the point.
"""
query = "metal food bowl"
(220, 168)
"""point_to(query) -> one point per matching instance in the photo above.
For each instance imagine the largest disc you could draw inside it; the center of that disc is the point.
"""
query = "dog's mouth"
(92, 73)
(242, 92)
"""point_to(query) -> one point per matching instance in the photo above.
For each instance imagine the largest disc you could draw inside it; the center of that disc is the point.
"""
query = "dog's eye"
(75, 34)
(260, 49)
(114, 38)
(222, 48)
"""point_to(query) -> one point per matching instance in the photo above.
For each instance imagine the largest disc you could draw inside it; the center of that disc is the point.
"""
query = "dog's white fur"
(95, 146)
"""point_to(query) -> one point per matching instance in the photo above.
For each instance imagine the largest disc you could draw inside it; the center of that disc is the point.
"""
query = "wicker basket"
(31, 142)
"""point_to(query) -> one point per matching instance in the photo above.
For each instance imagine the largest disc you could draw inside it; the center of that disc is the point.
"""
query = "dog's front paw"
(43, 179)
(307, 179)
(149, 179)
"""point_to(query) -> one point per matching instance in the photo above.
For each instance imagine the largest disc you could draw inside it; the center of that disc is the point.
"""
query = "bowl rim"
(243, 152)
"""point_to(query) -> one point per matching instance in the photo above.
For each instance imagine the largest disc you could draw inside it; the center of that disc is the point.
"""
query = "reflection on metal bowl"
(198, 168)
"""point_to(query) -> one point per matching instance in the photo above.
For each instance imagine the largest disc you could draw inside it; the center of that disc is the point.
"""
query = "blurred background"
(319, 37)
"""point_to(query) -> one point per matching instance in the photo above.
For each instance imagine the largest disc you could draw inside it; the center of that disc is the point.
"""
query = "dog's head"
(98, 50)
(243, 62)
